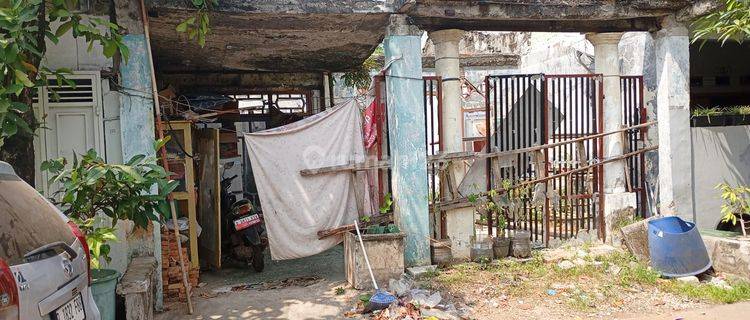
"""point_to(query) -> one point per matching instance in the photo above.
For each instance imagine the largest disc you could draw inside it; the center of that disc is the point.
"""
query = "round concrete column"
(459, 222)
(607, 63)
(447, 66)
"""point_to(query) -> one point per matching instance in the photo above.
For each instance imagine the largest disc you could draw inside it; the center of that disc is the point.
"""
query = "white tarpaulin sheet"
(295, 208)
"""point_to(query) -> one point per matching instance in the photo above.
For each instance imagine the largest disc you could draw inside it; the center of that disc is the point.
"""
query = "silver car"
(44, 264)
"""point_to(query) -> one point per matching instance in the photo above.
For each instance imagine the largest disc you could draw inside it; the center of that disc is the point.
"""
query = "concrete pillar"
(136, 115)
(406, 123)
(607, 63)
(671, 46)
(459, 222)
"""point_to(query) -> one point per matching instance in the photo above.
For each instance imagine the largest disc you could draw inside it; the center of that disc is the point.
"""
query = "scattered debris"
(416, 272)
(270, 285)
(565, 265)
(412, 303)
(689, 279)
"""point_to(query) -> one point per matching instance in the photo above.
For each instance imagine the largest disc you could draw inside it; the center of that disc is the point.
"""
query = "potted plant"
(91, 189)
(736, 205)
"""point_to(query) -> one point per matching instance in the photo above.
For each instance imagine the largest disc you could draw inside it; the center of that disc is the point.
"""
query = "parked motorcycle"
(244, 234)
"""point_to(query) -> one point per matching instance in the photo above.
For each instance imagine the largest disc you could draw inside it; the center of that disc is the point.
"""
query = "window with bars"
(261, 103)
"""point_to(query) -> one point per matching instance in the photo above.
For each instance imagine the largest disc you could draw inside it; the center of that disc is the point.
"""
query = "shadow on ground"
(317, 301)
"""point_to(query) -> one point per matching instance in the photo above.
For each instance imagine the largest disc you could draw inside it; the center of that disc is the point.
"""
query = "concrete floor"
(317, 301)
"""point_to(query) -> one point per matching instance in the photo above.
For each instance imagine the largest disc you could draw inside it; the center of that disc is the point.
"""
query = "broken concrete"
(635, 237)
(416, 272)
(729, 255)
(137, 286)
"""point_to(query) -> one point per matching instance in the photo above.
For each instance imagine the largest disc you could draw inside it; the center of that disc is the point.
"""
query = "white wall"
(720, 154)
(73, 54)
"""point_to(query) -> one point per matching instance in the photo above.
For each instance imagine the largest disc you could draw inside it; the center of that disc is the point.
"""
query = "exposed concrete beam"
(550, 15)
(289, 6)
(242, 82)
(268, 42)
(479, 60)
(622, 25)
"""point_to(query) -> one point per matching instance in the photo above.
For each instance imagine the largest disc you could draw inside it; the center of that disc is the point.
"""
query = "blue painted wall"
(406, 123)
(137, 132)
(137, 107)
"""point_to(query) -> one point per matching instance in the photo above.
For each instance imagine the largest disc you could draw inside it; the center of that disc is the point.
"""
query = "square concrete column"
(459, 222)
(607, 63)
(137, 115)
(671, 46)
(406, 130)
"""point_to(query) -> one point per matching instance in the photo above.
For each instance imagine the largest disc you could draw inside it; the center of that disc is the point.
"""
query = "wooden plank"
(459, 201)
(184, 128)
(382, 218)
(345, 167)
(209, 203)
(444, 157)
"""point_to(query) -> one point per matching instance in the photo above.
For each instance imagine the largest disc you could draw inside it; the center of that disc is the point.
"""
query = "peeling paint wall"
(406, 131)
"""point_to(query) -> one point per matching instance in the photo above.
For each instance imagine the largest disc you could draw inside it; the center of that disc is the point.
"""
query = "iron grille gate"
(535, 109)
(634, 113)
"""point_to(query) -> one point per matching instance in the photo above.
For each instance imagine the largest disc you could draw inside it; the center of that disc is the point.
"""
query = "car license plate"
(246, 222)
(73, 310)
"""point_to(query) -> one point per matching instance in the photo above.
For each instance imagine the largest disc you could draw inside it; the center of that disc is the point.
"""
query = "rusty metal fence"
(633, 113)
(528, 110)
(537, 109)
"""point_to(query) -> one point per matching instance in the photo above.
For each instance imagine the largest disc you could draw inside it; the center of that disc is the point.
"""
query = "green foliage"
(22, 36)
(90, 186)
(721, 111)
(359, 77)
(197, 26)
(737, 291)
(732, 22)
(387, 204)
(736, 202)
(340, 291)
(97, 238)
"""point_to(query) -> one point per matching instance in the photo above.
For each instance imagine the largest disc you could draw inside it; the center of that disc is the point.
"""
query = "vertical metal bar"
(643, 119)
(590, 149)
(488, 146)
(554, 116)
(533, 130)
(600, 122)
(546, 82)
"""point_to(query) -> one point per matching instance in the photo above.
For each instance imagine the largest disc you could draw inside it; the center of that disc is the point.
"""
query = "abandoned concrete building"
(467, 89)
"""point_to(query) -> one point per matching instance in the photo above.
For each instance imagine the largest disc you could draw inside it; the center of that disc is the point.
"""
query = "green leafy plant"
(387, 204)
(91, 186)
(198, 26)
(359, 77)
(97, 238)
(731, 22)
(25, 28)
(736, 204)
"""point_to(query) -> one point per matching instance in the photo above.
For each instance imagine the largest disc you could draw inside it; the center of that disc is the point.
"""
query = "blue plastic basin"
(676, 248)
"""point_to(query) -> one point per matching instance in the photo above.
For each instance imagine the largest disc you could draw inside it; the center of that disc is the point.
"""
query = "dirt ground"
(311, 296)
(604, 287)
(582, 285)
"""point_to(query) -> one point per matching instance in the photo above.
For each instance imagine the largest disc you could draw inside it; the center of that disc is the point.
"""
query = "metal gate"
(634, 113)
(537, 109)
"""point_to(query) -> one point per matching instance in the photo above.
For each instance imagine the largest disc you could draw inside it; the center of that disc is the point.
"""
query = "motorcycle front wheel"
(258, 260)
